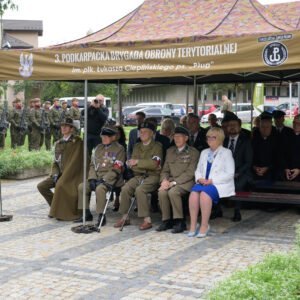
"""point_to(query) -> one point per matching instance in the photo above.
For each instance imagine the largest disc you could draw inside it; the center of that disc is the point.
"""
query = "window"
(153, 111)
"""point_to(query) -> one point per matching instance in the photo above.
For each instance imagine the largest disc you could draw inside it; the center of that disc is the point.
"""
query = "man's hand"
(294, 173)
(132, 162)
(165, 185)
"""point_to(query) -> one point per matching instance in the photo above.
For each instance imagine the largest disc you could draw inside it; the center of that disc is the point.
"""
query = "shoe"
(116, 208)
(120, 223)
(99, 220)
(179, 227)
(50, 217)
(236, 217)
(191, 233)
(145, 226)
(88, 218)
(165, 225)
(202, 235)
(216, 214)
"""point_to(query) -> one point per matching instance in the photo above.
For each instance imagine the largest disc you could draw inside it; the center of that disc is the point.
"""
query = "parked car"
(179, 109)
(267, 108)
(286, 107)
(156, 104)
(156, 112)
(126, 111)
(208, 108)
(243, 111)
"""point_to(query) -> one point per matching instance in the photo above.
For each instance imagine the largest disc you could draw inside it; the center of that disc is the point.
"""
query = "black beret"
(182, 130)
(278, 114)
(229, 116)
(108, 131)
(148, 125)
(265, 116)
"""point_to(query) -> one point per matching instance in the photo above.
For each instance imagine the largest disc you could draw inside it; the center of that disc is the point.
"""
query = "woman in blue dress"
(214, 178)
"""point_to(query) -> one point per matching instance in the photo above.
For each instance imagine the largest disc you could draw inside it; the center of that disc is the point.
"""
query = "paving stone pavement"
(41, 258)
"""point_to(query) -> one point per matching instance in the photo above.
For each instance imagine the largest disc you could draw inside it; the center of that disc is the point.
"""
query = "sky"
(66, 20)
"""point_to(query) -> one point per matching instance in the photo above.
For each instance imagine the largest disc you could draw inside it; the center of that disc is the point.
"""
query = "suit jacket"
(221, 173)
(133, 137)
(165, 142)
(243, 157)
(200, 142)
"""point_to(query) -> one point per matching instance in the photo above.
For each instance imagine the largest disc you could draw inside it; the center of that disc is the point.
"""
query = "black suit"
(200, 142)
(243, 156)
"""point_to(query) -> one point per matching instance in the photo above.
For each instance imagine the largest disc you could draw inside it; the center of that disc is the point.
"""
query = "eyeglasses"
(211, 137)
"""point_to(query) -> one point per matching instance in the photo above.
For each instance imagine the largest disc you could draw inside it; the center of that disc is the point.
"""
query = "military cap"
(48, 102)
(148, 125)
(181, 130)
(265, 116)
(109, 131)
(68, 121)
(278, 114)
(229, 116)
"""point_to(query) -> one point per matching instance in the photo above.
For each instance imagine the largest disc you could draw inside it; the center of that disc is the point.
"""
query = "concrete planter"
(29, 173)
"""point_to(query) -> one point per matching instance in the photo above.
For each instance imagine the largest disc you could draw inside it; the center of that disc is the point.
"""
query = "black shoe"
(99, 220)
(165, 225)
(87, 219)
(116, 208)
(216, 214)
(237, 217)
(179, 227)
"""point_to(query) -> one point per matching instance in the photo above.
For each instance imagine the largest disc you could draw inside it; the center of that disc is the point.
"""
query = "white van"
(107, 102)
(156, 104)
(243, 111)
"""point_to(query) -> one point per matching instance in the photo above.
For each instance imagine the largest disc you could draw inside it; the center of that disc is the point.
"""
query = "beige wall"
(26, 36)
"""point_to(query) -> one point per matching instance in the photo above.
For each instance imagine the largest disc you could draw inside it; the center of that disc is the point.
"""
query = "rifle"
(3, 120)
(45, 126)
(23, 125)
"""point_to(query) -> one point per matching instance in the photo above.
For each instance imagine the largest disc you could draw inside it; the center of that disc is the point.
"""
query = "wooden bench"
(282, 186)
(266, 197)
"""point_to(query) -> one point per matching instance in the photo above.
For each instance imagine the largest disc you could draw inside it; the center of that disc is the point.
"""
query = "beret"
(148, 125)
(182, 130)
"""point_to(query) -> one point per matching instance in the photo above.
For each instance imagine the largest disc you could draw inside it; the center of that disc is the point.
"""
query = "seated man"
(177, 179)
(290, 155)
(145, 164)
(66, 173)
(240, 145)
(105, 170)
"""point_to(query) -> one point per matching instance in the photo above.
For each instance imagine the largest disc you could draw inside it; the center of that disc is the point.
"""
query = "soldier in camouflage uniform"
(18, 124)
(4, 116)
(56, 117)
(74, 113)
(176, 180)
(145, 163)
(31, 109)
(105, 170)
(46, 130)
(36, 120)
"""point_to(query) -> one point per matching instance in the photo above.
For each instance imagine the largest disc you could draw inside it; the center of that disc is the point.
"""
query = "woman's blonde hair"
(218, 132)
(168, 125)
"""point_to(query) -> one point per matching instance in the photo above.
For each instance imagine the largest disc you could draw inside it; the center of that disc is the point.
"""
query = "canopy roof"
(174, 20)
(173, 41)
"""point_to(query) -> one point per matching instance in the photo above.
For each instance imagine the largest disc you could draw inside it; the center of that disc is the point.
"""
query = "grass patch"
(276, 277)
(15, 160)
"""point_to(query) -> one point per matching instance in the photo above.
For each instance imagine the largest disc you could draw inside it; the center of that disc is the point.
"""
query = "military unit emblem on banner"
(26, 62)
(275, 54)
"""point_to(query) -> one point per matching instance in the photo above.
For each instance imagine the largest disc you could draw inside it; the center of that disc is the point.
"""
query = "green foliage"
(5, 5)
(276, 277)
(12, 161)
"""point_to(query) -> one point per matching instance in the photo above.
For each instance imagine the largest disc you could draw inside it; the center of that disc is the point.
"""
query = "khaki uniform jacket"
(107, 163)
(74, 113)
(149, 158)
(180, 166)
(35, 117)
(68, 163)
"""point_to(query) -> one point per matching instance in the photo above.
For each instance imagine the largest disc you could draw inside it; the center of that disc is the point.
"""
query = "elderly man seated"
(146, 165)
(105, 171)
(177, 179)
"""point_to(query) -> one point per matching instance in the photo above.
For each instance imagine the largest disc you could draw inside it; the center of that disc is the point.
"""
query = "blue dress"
(210, 190)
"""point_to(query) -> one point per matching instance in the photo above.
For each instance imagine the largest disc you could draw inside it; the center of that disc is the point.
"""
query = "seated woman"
(214, 180)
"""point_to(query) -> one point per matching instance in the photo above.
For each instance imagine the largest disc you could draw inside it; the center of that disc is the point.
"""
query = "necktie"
(231, 145)
(192, 140)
